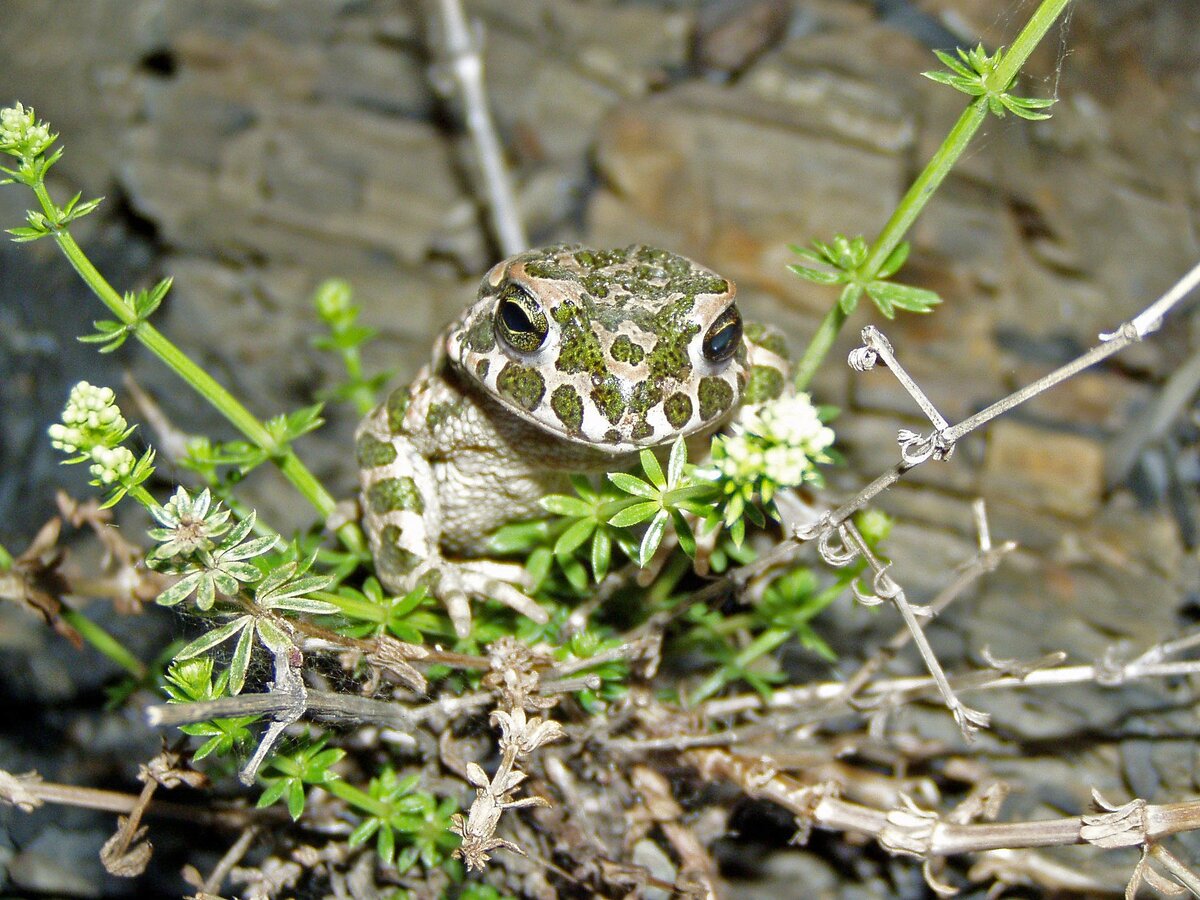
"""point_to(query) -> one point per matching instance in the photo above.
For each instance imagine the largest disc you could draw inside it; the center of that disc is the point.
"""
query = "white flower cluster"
(90, 417)
(781, 440)
(21, 133)
(111, 464)
(792, 421)
(92, 425)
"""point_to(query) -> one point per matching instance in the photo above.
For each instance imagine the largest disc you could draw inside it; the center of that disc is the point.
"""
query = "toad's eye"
(520, 320)
(724, 337)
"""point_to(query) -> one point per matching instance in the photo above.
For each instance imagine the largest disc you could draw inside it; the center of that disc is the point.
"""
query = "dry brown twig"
(515, 679)
(462, 68)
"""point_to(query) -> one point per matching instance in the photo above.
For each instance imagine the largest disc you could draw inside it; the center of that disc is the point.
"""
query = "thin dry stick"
(986, 560)
(912, 831)
(1180, 872)
(1107, 672)
(29, 791)
(463, 60)
(233, 856)
(886, 588)
(322, 705)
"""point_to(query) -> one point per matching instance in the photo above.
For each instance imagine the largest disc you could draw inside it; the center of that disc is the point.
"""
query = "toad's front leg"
(402, 515)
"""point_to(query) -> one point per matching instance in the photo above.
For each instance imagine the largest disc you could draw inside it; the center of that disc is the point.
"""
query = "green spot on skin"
(440, 412)
(597, 285)
(548, 268)
(767, 338)
(642, 429)
(392, 557)
(397, 405)
(579, 349)
(716, 396)
(608, 399)
(644, 396)
(613, 436)
(568, 407)
(393, 494)
(766, 383)
(481, 368)
(625, 350)
(678, 409)
(481, 337)
(372, 452)
(523, 385)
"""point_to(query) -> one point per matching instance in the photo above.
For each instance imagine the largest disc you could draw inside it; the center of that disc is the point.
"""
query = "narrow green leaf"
(573, 537)
(676, 462)
(217, 636)
(848, 298)
(652, 469)
(305, 605)
(241, 658)
(632, 515)
(295, 798)
(563, 505)
(817, 276)
(518, 537)
(363, 832)
(601, 553)
(903, 296)
(895, 260)
(180, 590)
(272, 793)
(652, 538)
(683, 532)
(385, 845)
(272, 636)
(631, 484)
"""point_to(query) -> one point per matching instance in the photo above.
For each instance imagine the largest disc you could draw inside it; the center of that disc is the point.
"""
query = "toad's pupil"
(515, 318)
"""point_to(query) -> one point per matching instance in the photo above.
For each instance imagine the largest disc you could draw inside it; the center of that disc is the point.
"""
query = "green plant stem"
(204, 384)
(144, 497)
(929, 180)
(104, 642)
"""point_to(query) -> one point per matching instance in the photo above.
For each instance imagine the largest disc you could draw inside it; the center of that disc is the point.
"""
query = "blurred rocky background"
(251, 148)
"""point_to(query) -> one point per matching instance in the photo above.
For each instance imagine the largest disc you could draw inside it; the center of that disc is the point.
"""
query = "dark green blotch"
(613, 436)
(645, 394)
(548, 268)
(716, 396)
(523, 385)
(567, 406)
(481, 368)
(767, 338)
(481, 337)
(579, 349)
(440, 412)
(397, 405)
(625, 350)
(373, 452)
(678, 409)
(641, 429)
(607, 397)
(766, 383)
(597, 285)
(393, 557)
(393, 494)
